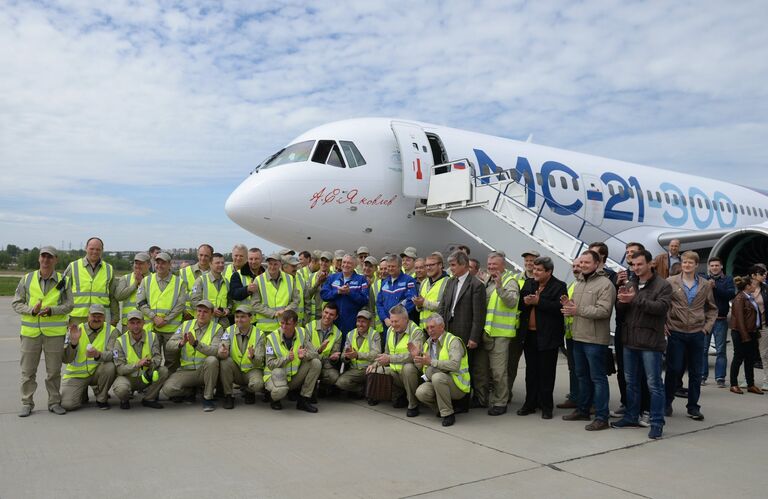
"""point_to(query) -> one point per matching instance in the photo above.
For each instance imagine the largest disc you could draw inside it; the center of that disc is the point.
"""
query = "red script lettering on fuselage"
(352, 197)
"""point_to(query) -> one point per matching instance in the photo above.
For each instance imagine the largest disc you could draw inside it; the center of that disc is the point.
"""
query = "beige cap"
(205, 303)
(49, 250)
(135, 314)
(317, 254)
(531, 253)
(290, 260)
(327, 255)
(410, 251)
(286, 251)
(246, 309)
(163, 256)
(339, 254)
(371, 259)
(363, 250)
(365, 313)
(141, 257)
(97, 308)
(275, 256)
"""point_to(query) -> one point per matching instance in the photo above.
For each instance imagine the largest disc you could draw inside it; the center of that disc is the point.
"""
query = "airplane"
(365, 182)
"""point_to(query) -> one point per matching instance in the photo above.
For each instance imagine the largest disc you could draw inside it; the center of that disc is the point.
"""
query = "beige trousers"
(182, 382)
(72, 389)
(352, 380)
(440, 392)
(407, 380)
(31, 349)
(230, 373)
(124, 386)
(305, 378)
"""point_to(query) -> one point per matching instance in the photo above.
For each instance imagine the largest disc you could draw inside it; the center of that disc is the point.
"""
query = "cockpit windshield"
(294, 153)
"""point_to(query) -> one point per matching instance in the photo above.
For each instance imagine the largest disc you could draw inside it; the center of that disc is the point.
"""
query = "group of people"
(317, 324)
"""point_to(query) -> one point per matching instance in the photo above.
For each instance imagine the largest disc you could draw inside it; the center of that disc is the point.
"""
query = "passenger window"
(563, 183)
(693, 203)
(675, 199)
(640, 194)
(621, 190)
(658, 197)
(729, 207)
(666, 197)
(631, 192)
(698, 201)
(722, 207)
(354, 158)
(706, 203)
(611, 190)
(552, 181)
(539, 179)
(685, 201)
(575, 184)
(741, 208)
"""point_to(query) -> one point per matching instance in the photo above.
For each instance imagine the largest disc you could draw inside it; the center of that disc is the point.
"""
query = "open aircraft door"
(416, 158)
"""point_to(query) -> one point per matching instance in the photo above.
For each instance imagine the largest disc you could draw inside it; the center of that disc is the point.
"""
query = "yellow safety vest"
(569, 318)
(87, 290)
(461, 378)
(501, 320)
(219, 297)
(273, 298)
(305, 273)
(84, 366)
(275, 341)
(146, 353)
(241, 358)
(129, 304)
(191, 359)
(246, 280)
(189, 278)
(317, 303)
(376, 289)
(33, 326)
(313, 329)
(431, 292)
(352, 336)
(299, 282)
(162, 302)
(402, 346)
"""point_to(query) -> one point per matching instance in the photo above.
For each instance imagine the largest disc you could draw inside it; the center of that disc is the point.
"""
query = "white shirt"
(459, 287)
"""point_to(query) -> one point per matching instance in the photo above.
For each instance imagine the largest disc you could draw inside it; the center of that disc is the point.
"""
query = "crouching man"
(446, 367)
(139, 364)
(243, 361)
(362, 347)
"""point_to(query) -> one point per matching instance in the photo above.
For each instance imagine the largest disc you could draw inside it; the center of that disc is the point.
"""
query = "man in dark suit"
(463, 306)
(543, 328)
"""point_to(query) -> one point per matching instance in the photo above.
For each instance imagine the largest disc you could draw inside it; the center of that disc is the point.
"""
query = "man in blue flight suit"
(397, 289)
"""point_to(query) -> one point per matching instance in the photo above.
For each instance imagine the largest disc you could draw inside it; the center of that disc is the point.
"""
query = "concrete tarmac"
(350, 449)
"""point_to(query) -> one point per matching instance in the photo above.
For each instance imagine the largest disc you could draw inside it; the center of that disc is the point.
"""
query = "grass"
(8, 285)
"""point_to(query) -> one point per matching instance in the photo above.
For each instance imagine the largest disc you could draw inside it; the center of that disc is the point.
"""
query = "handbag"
(378, 385)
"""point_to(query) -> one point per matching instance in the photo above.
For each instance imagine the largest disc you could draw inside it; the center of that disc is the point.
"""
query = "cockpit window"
(328, 152)
(354, 158)
(294, 153)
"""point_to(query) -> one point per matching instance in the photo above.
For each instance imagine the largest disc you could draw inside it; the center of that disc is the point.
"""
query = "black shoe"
(461, 406)
(524, 411)
(476, 404)
(229, 402)
(412, 413)
(152, 404)
(104, 406)
(695, 414)
(668, 411)
(209, 405)
(497, 410)
(304, 404)
(190, 399)
(276, 405)
(682, 393)
(449, 420)
(177, 400)
(546, 414)
(373, 402)
(249, 398)
(293, 396)
(125, 404)
(400, 403)
(266, 396)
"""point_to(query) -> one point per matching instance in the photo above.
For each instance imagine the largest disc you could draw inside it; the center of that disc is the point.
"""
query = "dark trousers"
(573, 382)
(479, 372)
(618, 350)
(540, 368)
(747, 352)
(682, 346)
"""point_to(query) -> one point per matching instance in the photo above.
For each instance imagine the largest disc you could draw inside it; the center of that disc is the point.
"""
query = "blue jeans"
(679, 347)
(635, 362)
(589, 361)
(573, 381)
(720, 332)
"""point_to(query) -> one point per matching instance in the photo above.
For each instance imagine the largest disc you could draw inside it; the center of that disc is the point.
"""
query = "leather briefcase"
(378, 385)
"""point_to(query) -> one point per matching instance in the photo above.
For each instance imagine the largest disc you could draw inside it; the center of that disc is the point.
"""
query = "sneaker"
(57, 409)
(25, 411)
(655, 432)
(695, 414)
(597, 425)
(618, 413)
(576, 416)
(703, 382)
(623, 424)
(645, 419)
(209, 405)
(764, 387)
(721, 383)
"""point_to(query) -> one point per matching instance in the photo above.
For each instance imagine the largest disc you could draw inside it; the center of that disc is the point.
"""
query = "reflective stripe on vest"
(569, 318)
(281, 297)
(431, 292)
(240, 358)
(401, 347)
(131, 358)
(461, 378)
(275, 340)
(377, 324)
(501, 320)
(129, 304)
(84, 366)
(317, 304)
(300, 283)
(162, 302)
(313, 329)
(188, 276)
(33, 326)
(87, 290)
(218, 296)
(191, 359)
(352, 337)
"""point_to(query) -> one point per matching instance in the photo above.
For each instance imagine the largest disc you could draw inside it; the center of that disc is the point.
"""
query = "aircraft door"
(593, 202)
(416, 158)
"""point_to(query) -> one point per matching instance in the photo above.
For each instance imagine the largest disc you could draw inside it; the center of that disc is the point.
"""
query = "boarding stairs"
(492, 212)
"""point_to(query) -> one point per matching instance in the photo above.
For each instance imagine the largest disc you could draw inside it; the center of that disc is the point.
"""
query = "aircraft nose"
(249, 203)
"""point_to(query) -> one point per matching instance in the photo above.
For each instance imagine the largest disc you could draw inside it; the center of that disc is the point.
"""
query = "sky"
(134, 120)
